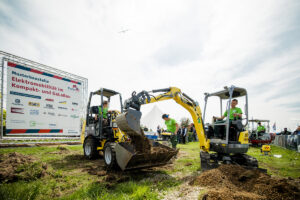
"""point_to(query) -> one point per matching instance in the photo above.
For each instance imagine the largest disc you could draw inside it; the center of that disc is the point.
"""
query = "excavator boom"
(152, 154)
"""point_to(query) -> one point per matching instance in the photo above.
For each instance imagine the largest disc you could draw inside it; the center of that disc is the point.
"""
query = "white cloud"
(198, 46)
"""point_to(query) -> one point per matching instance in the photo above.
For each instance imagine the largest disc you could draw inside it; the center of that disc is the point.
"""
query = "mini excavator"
(230, 148)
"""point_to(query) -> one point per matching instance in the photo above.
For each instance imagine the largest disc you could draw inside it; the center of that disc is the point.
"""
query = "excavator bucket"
(140, 152)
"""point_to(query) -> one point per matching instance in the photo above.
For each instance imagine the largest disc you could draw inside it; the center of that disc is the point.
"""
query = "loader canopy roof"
(106, 92)
(259, 120)
(224, 94)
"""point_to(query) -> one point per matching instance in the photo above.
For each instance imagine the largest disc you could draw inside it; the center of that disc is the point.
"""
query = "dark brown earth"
(235, 182)
(16, 166)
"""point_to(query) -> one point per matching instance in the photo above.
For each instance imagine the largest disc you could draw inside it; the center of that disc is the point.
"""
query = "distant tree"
(185, 122)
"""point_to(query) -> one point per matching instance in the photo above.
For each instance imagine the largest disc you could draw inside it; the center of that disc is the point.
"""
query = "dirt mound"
(16, 166)
(236, 182)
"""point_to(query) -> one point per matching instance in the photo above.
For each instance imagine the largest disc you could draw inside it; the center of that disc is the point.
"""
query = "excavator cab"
(229, 135)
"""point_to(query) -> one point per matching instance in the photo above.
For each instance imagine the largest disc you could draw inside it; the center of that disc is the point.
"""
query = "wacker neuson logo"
(33, 104)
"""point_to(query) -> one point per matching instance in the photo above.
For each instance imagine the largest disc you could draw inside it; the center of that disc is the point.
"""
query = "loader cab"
(228, 135)
(96, 125)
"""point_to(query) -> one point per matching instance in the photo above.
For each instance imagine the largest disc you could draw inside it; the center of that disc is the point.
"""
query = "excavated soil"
(235, 182)
(16, 166)
(154, 154)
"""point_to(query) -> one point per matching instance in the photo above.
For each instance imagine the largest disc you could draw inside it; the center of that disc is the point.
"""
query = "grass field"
(70, 176)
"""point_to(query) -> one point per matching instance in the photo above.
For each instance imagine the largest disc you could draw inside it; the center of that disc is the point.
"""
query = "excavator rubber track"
(214, 160)
(140, 152)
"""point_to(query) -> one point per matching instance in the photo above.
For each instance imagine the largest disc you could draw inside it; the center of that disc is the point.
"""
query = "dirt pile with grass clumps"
(16, 166)
(236, 182)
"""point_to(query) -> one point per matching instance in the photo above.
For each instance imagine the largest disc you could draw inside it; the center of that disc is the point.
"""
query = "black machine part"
(213, 160)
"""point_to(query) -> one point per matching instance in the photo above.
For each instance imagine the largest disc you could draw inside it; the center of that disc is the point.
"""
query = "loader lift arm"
(144, 97)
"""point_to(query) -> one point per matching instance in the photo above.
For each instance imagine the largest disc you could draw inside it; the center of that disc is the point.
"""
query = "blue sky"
(198, 46)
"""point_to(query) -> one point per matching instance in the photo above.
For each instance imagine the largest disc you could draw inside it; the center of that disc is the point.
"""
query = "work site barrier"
(288, 141)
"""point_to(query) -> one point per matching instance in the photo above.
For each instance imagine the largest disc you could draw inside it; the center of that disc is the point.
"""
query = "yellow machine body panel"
(266, 148)
(166, 133)
(244, 137)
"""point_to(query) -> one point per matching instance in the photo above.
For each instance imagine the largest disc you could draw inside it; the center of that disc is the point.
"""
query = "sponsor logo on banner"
(74, 103)
(49, 100)
(63, 102)
(34, 112)
(52, 125)
(25, 95)
(74, 116)
(72, 131)
(17, 121)
(49, 106)
(34, 123)
(74, 88)
(51, 113)
(62, 115)
(33, 104)
(17, 102)
(17, 110)
(63, 108)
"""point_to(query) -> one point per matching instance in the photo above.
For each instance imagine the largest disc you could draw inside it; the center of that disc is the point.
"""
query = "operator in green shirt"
(235, 112)
(104, 113)
(260, 128)
(172, 127)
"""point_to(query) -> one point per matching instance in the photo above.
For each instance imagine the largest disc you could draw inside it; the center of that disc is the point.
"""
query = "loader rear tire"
(90, 148)
(109, 155)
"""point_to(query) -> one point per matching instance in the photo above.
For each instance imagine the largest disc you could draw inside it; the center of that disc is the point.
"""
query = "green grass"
(68, 178)
(286, 166)
(189, 158)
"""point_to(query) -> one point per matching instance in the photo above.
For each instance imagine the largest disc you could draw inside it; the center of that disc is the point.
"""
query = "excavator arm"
(134, 104)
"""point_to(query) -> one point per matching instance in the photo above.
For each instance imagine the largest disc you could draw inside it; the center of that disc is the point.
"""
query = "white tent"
(152, 119)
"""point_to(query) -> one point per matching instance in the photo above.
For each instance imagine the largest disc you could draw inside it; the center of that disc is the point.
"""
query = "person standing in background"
(172, 127)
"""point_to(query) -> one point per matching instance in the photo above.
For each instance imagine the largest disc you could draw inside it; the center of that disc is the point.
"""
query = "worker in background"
(285, 132)
(297, 131)
(260, 129)
(172, 127)
(158, 130)
(179, 133)
(185, 135)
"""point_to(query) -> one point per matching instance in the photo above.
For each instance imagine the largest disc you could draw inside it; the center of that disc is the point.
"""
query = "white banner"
(42, 103)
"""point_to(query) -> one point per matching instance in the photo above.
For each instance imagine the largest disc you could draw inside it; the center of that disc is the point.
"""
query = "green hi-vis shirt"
(105, 110)
(260, 128)
(171, 125)
(232, 111)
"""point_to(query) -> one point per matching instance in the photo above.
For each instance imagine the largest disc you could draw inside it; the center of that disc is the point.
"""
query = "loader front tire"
(109, 155)
(90, 148)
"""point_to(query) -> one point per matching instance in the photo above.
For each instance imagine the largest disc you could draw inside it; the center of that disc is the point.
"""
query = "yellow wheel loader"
(230, 147)
(128, 149)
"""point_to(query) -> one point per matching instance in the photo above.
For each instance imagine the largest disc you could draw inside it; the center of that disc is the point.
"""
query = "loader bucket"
(128, 159)
(129, 122)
